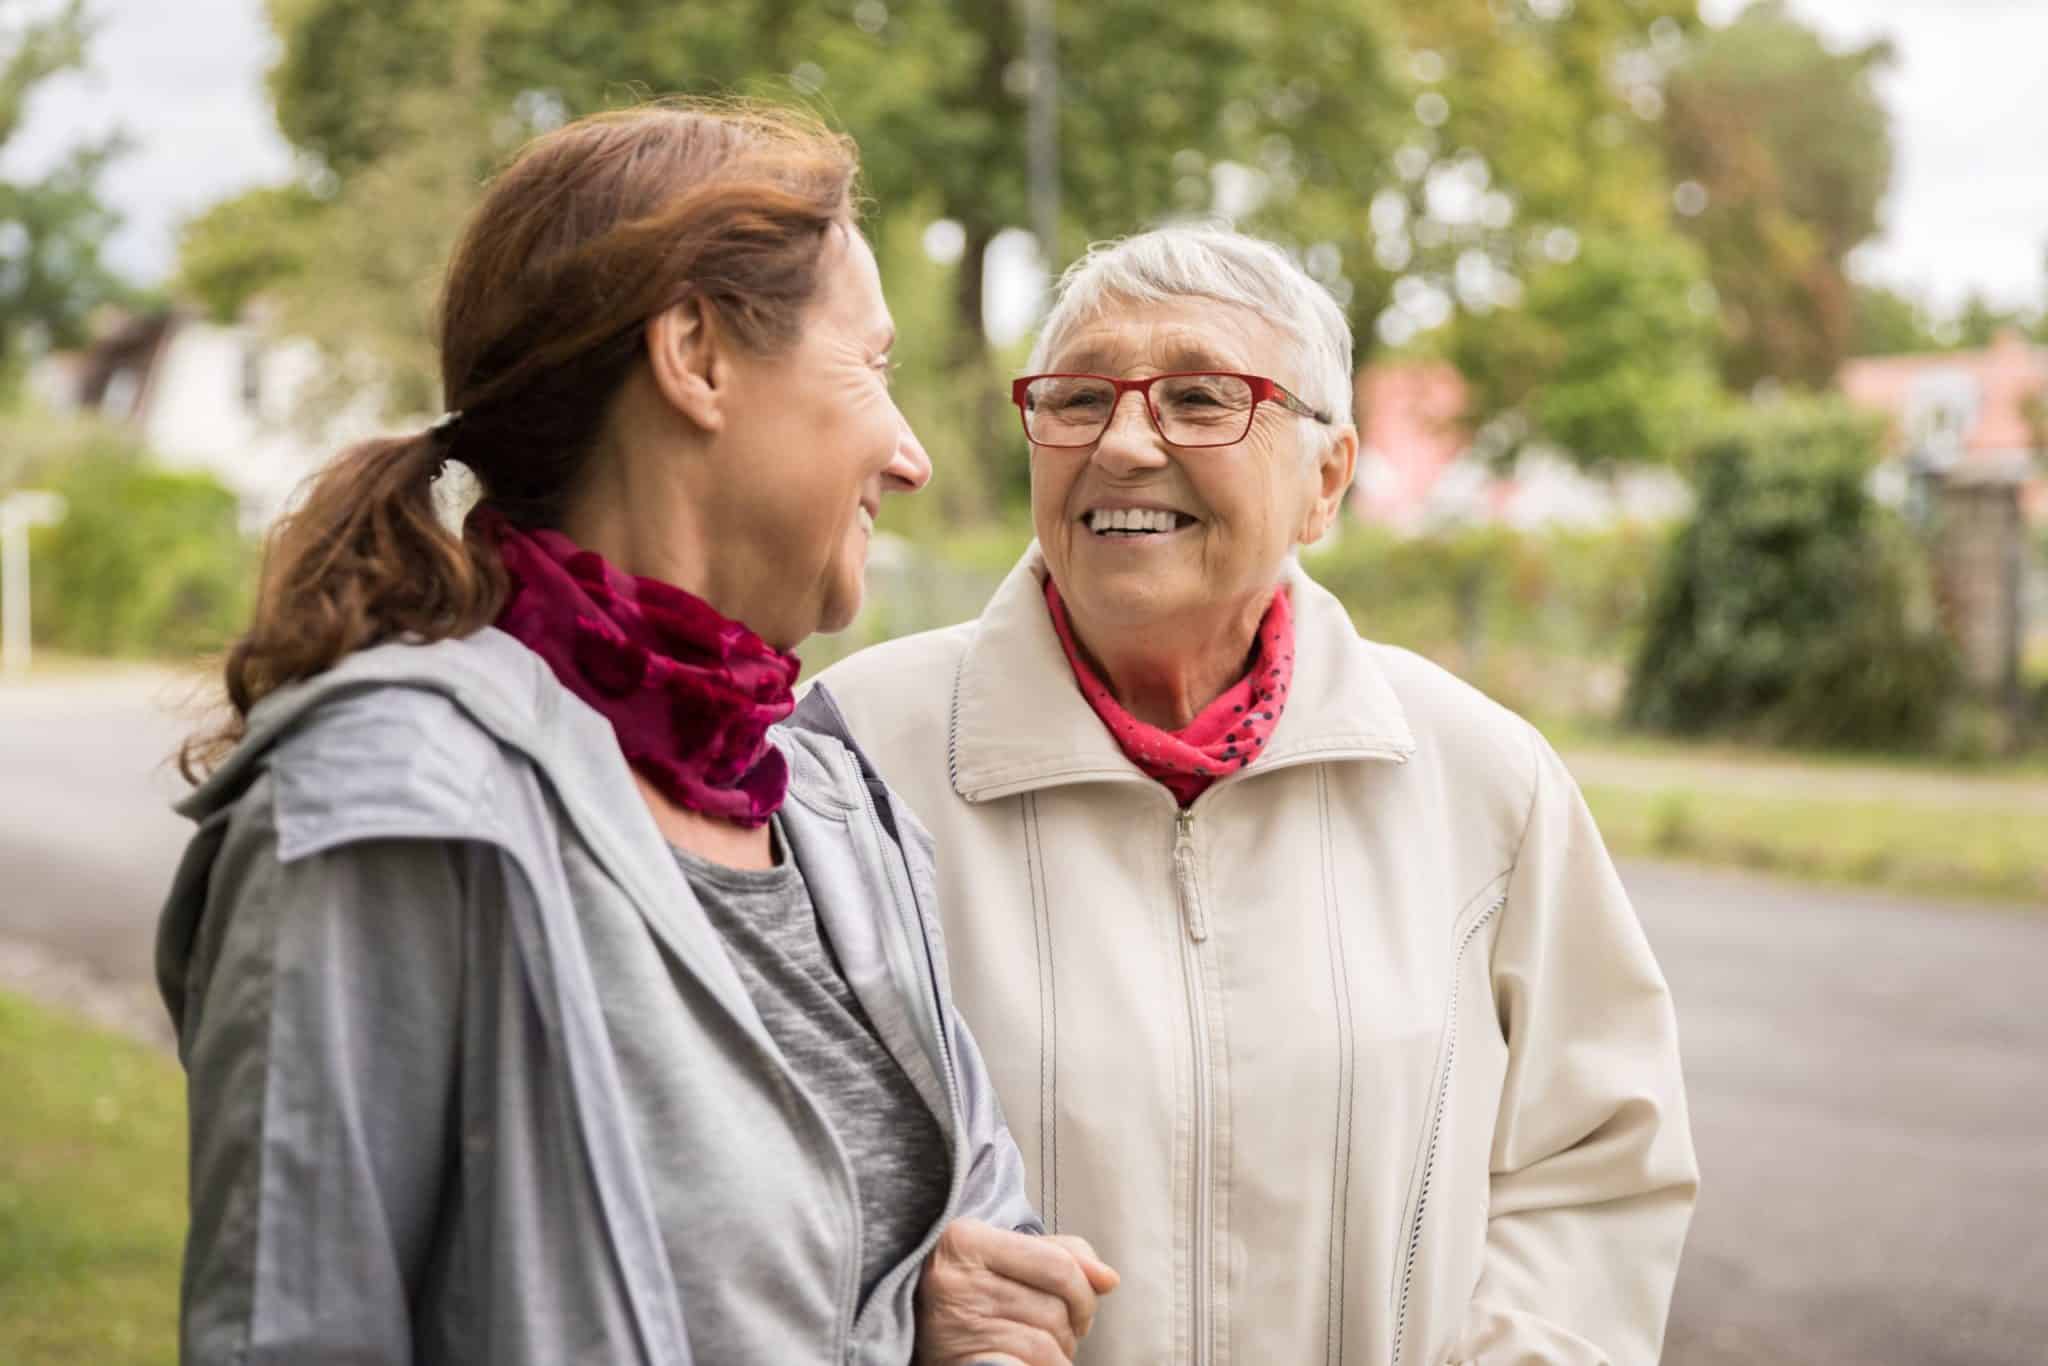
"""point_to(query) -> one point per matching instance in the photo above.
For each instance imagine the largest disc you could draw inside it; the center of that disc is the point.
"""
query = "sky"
(1968, 209)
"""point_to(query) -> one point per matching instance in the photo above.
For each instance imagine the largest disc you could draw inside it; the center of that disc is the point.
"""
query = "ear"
(687, 356)
(1332, 473)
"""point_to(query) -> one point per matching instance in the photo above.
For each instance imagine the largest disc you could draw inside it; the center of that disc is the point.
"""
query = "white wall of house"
(226, 399)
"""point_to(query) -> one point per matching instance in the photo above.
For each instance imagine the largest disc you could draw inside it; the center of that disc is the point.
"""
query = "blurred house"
(1417, 470)
(226, 399)
(1966, 459)
(1963, 417)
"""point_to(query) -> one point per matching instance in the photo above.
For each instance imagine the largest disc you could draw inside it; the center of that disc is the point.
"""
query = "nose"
(910, 468)
(1130, 442)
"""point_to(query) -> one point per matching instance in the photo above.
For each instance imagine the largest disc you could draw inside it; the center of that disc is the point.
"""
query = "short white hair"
(1204, 262)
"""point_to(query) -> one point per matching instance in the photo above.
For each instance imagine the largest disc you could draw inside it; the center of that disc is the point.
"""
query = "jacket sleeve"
(1593, 1173)
(995, 1191)
(321, 1064)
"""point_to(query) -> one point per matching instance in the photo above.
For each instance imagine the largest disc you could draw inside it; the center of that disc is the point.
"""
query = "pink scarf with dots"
(1228, 734)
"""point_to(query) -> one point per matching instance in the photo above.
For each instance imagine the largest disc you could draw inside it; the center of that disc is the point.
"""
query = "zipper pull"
(1184, 874)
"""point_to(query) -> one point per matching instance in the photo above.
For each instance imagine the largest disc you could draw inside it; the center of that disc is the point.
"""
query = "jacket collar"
(1019, 723)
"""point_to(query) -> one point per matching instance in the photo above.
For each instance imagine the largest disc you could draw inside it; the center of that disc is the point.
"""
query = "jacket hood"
(512, 701)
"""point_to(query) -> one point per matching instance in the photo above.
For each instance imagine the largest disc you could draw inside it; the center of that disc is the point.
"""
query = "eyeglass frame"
(1264, 390)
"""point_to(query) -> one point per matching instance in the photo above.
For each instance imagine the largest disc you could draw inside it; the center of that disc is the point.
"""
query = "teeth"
(1132, 520)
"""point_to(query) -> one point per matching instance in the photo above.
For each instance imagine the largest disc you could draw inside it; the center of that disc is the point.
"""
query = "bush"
(1793, 609)
(145, 562)
(1542, 621)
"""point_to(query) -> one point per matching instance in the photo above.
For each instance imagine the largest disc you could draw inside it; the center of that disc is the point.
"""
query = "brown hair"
(589, 232)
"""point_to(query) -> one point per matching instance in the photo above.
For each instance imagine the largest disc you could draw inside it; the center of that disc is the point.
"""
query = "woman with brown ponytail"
(525, 1021)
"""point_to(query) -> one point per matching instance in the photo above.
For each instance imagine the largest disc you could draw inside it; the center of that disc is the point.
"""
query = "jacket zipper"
(886, 1287)
(1197, 925)
(1436, 1119)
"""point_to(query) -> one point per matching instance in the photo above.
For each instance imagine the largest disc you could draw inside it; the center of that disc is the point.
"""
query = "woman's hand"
(990, 1297)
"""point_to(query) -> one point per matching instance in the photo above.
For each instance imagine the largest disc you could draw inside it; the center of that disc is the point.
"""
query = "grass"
(1573, 734)
(92, 1193)
(1995, 850)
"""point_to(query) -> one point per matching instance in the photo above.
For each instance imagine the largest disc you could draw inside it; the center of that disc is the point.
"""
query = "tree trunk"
(968, 364)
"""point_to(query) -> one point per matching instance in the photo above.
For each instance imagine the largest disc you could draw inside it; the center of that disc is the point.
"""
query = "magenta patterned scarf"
(689, 693)
(1230, 732)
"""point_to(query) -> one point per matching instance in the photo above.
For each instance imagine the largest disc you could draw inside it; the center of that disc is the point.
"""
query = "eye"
(885, 366)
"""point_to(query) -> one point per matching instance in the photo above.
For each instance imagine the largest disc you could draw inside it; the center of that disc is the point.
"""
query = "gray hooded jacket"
(472, 1078)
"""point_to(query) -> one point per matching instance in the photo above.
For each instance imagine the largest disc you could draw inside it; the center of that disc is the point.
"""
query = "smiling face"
(814, 441)
(1142, 535)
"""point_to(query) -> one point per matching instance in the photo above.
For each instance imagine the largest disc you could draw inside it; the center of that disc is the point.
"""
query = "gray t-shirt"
(901, 1166)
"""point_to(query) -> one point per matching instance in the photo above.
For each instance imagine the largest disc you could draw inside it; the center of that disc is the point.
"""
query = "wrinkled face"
(823, 441)
(1215, 523)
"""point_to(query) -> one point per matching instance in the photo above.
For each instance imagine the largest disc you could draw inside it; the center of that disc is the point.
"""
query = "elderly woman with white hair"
(1307, 985)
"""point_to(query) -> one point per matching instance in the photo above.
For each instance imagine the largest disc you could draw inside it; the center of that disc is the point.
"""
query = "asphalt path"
(88, 838)
(1868, 1075)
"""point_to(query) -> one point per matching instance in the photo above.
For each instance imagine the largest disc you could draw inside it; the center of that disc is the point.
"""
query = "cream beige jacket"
(1363, 1058)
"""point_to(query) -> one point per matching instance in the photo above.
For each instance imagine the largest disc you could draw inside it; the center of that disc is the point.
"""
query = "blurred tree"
(1526, 229)
(52, 228)
(355, 259)
(1782, 152)
(935, 92)
(1979, 322)
(1156, 109)
(1609, 355)
(1890, 323)
(243, 246)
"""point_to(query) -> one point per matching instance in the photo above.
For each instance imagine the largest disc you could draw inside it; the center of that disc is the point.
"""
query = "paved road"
(1869, 1076)
(1869, 1086)
(87, 837)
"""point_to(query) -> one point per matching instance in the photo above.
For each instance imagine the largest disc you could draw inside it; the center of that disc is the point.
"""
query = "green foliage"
(1531, 196)
(244, 246)
(145, 562)
(1888, 323)
(52, 228)
(1971, 844)
(959, 411)
(1793, 150)
(1542, 621)
(1792, 609)
(937, 94)
(1610, 356)
(403, 106)
(1980, 322)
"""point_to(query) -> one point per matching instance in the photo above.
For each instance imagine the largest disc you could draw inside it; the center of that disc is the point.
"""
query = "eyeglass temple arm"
(1295, 405)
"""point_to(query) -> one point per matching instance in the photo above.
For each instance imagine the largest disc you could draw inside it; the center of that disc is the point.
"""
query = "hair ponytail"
(364, 558)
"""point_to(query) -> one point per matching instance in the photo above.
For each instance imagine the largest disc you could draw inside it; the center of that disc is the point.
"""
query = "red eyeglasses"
(1188, 408)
